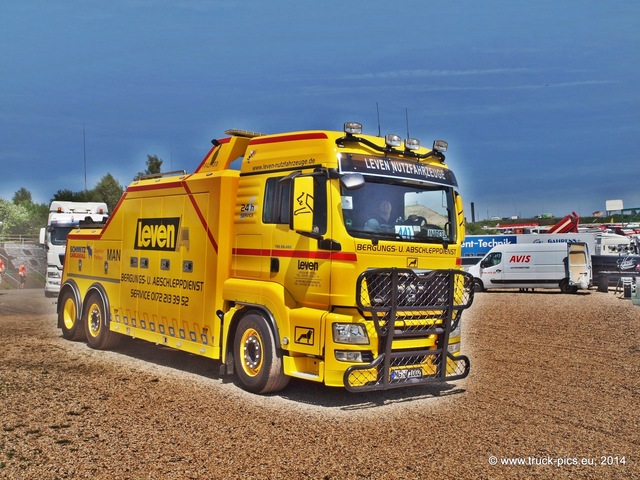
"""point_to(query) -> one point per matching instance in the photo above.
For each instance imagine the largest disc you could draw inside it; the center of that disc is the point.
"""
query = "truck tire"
(259, 366)
(68, 318)
(478, 286)
(96, 325)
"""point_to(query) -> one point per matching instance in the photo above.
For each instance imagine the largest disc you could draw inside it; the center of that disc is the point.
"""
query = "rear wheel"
(96, 324)
(68, 317)
(258, 364)
(566, 288)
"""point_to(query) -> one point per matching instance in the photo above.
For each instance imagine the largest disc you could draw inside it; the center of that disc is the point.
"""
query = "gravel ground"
(554, 378)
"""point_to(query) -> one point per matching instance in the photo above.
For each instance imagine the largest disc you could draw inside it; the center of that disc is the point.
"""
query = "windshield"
(402, 211)
(59, 235)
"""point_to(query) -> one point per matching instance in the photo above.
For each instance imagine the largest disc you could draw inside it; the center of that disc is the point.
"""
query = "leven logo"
(157, 234)
(520, 259)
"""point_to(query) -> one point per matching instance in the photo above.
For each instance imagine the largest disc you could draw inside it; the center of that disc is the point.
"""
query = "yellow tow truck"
(331, 256)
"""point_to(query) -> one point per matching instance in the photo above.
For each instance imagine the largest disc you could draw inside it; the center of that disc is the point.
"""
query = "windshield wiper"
(385, 234)
(441, 240)
(377, 235)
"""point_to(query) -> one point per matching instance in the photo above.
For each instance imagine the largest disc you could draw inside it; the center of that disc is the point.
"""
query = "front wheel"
(96, 324)
(258, 364)
(68, 316)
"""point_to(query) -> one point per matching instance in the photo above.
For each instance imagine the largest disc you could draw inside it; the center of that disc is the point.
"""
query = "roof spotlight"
(440, 146)
(352, 128)
(393, 140)
(412, 144)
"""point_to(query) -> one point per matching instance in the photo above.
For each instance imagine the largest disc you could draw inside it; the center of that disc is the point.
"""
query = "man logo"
(304, 335)
(157, 234)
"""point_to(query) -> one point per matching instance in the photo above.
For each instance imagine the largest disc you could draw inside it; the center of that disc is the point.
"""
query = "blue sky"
(539, 100)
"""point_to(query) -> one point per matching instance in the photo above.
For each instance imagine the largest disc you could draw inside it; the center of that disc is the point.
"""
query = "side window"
(277, 201)
(492, 260)
(320, 207)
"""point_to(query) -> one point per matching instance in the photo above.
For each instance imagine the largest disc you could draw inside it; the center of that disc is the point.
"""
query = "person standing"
(1, 270)
(22, 272)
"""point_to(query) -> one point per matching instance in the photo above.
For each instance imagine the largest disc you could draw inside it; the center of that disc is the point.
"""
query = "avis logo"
(520, 259)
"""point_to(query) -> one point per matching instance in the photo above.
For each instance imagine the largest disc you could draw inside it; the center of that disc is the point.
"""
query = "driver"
(382, 220)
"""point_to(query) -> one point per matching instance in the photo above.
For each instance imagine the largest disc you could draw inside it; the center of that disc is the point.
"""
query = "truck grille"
(403, 304)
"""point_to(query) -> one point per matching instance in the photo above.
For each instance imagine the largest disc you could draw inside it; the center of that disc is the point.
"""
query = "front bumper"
(404, 305)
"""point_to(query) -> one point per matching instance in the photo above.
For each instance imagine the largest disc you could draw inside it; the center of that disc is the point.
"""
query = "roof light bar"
(393, 140)
(412, 144)
(352, 128)
(440, 146)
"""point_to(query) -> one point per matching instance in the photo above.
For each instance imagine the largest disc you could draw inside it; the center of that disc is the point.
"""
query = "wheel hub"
(252, 352)
(94, 322)
(69, 314)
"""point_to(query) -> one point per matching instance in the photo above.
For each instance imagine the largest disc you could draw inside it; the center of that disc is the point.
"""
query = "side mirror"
(352, 181)
(302, 205)
(460, 217)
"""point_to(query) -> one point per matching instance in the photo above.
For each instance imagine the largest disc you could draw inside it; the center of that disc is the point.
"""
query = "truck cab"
(64, 216)
(308, 219)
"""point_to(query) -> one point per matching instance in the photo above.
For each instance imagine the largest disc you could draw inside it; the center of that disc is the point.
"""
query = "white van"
(535, 265)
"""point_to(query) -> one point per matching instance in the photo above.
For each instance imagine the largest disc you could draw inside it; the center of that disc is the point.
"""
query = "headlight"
(455, 347)
(55, 274)
(457, 332)
(347, 356)
(350, 333)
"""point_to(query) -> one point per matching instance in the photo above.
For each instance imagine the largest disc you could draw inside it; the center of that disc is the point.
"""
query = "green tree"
(22, 196)
(108, 190)
(15, 218)
(154, 166)
(22, 216)
(39, 215)
(66, 195)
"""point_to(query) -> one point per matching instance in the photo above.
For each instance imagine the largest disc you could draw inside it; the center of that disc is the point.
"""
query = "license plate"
(406, 373)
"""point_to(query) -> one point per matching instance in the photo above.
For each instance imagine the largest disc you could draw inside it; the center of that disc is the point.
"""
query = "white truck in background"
(535, 265)
(64, 217)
